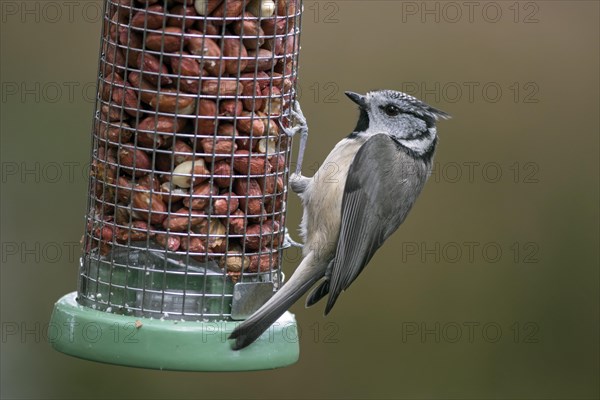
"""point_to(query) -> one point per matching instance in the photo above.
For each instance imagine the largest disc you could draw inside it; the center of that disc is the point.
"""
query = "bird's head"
(409, 121)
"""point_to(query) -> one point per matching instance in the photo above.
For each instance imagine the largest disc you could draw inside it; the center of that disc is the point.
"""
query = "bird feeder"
(185, 223)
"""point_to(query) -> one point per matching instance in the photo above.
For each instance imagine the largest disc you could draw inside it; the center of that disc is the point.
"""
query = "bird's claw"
(288, 241)
(299, 125)
(299, 120)
(299, 116)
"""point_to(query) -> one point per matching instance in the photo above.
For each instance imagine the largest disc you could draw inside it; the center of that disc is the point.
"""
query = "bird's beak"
(357, 98)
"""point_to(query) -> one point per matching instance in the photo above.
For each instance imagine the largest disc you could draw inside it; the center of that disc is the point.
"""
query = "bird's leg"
(301, 127)
(298, 183)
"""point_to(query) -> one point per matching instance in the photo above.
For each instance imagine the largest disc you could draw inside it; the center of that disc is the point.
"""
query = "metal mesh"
(190, 162)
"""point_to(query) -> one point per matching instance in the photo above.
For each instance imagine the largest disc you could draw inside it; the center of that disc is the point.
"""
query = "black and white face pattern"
(409, 121)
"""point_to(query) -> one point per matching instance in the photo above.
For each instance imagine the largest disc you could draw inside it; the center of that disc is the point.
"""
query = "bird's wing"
(374, 205)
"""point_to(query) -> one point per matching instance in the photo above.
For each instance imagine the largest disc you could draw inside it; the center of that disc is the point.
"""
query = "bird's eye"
(391, 110)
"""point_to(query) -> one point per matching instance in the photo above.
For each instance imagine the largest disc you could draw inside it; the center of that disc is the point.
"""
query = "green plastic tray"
(167, 344)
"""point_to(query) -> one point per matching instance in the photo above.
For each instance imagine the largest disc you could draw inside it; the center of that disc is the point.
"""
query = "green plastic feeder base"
(167, 344)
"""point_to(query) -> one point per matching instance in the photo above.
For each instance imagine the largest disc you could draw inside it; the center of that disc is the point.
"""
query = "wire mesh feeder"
(186, 213)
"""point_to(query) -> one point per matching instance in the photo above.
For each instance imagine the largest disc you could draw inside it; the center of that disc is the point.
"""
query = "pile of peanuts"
(189, 148)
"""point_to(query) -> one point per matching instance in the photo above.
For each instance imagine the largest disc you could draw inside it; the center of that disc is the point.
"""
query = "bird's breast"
(323, 199)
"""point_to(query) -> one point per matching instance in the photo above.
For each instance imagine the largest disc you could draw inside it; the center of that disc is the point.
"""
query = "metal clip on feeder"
(185, 223)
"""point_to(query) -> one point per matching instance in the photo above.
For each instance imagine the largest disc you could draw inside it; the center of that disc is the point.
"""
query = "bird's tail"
(320, 291)
(308, 272)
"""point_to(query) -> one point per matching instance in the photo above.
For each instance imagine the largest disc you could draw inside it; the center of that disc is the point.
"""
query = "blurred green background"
(490, 289)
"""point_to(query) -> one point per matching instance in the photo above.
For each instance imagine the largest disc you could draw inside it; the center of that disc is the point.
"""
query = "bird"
(358, 197)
